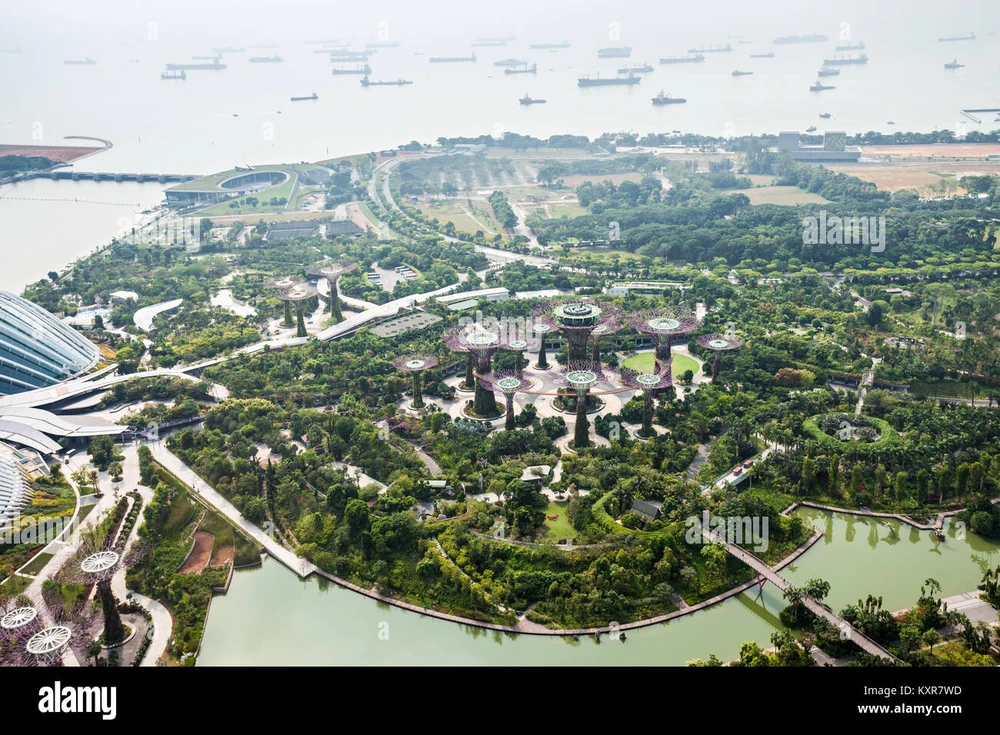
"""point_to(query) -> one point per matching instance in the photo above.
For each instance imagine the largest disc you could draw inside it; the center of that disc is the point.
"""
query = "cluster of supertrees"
(332, 270)
(294, 294)
(582, 323)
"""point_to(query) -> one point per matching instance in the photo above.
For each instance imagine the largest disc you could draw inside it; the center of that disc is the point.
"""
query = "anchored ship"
(851, 47)
(313, 96)
(510, 62)
(953, 65)
(713, 49)
(768, 55)
(266, 59)
(451, 59)
(357, 70)
(682, 59)
(599, 81)
(349, 55)
(842, 60)
(229, 50)
(173, 75)
(636, 69)
(213, 66)
(829, 72)
(738, 73)
(808, 38)
(526, 100)
(819, 86)
(562, 44)
(967, 37)
(825, 115)
(525, 70)
(366, 82)
(382, 44)
(666, 99)
(811, 129)
(80, 62)
(615, 52)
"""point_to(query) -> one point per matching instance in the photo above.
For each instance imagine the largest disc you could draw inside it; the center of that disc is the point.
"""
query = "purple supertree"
(718, 343)
(479, 342)
(518, 346)
(648, 383)
(603, 330)
(581, 377)
(662, 325)
(510, 383)
(577, 320)
(415, 365)
(332, 270)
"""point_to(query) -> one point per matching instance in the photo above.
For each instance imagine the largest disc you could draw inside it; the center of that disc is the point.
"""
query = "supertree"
(718, 343)
(603, 330)
(331, 270)
(296, 293)
(542, 330)
(662, 325)
(518, 346)
(581, 377)
(47, 644)
(99, 567)
(19, 621)
(577, 320)
(648, 383)
(480, 341)
(510, 383)
(415, 365)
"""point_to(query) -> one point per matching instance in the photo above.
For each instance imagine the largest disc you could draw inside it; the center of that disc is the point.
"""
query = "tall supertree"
(415, 365)
(297, 295)
(648, 383)
(577, 320)
(542, 330)
(718, 343)
(332, 270)
(581, 377)
(99, 567)
(518, 346)
(662, 325)
(510, 383)
(603, 330)
(481, 342)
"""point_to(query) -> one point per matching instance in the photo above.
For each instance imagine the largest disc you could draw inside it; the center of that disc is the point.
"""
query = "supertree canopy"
(648, 383)
(294, 292)
(510, 383)
(602, 330)
(518, 346)
(662, 325)
(415, 365)
(577, 320)
(481, 342)
(718, 343)
(332, 270)
(581, 377)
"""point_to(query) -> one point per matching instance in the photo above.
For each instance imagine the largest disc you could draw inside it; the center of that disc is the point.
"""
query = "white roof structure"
(491, 294)
(143, 318)
(124, 296)
(12, 492)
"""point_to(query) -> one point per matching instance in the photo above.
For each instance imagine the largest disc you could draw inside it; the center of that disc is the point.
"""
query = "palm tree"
(94, 650)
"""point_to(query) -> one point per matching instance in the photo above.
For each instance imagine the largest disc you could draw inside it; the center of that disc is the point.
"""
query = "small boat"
(829, 72)
(182, 75)
(739, 73)
(819, 86)
(313, 96)
(953, 65)
(666, 99)
(236, 114)
(811, 129)
(80, 62)
(890, 122)
(768, 55)
(825, 115)
(526, 100)
(265, 59)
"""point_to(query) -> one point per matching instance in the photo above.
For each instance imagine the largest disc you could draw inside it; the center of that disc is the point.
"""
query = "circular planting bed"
(840, 431)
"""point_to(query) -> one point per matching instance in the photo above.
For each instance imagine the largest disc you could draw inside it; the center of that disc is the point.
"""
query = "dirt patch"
(919, 176)
(937, 150)
(222, 556)
(61, 153)
(199, 557)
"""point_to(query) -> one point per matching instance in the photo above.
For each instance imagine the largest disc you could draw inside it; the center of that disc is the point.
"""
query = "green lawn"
(35, 565)
(560, 528)
(643, 363)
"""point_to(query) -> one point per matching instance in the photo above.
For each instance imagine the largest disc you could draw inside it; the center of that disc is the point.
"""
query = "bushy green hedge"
(889, 436)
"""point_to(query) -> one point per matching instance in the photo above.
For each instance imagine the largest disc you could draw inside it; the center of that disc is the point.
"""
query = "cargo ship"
(711, 49)
(366, 82)
(349, 55)
(598, 81)
(819, 86)
(522, 70)
(173, 75)
(829, 72)
(213, 57)
(967, 37)
(808, 38)
(229, 50)
(666, 99)
(480, 44)
(265, 59)
(313, 96)
(561, 44)
(212, 66)
(510, 62)
(682, 59)
(382, 44)
(953, 65)
(843, 60)
(526, 100)
(738, 73)
(357, 70)
(615, 52)
(80, 62)
(851, 47)
(264, 45)
(811, 129)
(451, 59)
(494, 39)
(636, 69)
(768, 55)
(825, 115)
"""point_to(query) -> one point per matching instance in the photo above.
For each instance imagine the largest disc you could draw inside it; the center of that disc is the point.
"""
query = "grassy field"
(560, 209)
(282, 191)
(455, 212)
(643, 363)
(578, 179)
(560, 528)
(786, 195)
(947, 389)
(37, 563)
